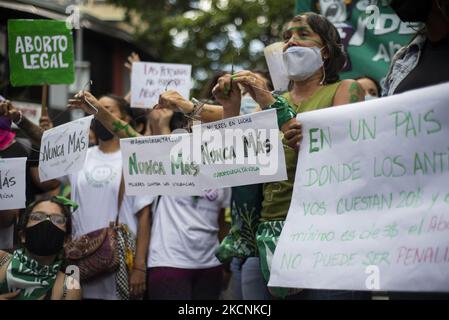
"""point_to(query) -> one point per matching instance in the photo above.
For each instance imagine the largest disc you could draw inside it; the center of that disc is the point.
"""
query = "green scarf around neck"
(33, 279)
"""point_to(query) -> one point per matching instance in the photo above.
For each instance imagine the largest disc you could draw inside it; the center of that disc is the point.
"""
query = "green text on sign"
(40, 52)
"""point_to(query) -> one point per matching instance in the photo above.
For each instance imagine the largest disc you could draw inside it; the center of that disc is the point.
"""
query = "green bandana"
(284, 111)
(33, 279)
(65, 202)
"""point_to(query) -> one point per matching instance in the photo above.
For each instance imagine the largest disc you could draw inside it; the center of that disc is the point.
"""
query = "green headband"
(65, 202)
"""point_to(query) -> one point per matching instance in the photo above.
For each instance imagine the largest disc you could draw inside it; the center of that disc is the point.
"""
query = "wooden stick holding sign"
(44, 111)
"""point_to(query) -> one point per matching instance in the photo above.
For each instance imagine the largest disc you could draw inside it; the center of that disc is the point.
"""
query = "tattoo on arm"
(118, 126)
(355, 92)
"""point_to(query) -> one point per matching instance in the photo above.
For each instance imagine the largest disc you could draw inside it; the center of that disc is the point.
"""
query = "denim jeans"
(248, 282)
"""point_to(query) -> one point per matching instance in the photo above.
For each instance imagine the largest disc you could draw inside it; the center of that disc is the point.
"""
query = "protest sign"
(232, 152)
(154, 165)
(370, 31)
(241, 150)
(64, 148)
(149, 80)
(370, 205)
(40, 52)
(32, 111)
(275, 63)
(12, 183)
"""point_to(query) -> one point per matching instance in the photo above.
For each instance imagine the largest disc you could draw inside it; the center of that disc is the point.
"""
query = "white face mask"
(370, 97)
(248, 105)
(302, 62)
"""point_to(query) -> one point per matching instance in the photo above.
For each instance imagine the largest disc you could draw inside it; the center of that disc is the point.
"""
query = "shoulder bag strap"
(121, 194)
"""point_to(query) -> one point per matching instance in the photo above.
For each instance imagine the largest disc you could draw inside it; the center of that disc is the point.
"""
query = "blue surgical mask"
(370, 97)
(301, 63)
(248, 105)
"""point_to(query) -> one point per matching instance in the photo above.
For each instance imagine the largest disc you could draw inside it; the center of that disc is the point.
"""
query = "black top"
(432, 67)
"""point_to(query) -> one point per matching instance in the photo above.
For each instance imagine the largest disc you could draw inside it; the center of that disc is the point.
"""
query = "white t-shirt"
(95, 188)
(184, 233)
(6, 237)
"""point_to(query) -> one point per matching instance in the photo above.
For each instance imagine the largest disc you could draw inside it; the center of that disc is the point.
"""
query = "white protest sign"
(153, 165)
(149, 80)
(240, 150)
(370, 205)
(64, 149)
(273, 55)
(232, 152)
(12, 183)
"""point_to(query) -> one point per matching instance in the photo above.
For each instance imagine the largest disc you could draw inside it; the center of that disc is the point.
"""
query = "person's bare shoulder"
(349, 91)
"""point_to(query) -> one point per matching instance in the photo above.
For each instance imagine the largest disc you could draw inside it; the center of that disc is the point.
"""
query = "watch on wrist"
(197, 106)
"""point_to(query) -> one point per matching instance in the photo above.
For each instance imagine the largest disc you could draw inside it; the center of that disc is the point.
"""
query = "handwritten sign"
(40, 52)
(12, 183)
(149, 80)
(236, 151)
(241, 150)
(64, 148)
(151, 165)
(370, 205)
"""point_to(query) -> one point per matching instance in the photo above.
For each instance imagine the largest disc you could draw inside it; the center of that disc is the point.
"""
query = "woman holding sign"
(96, 189)
(186, 230)
(313, 58)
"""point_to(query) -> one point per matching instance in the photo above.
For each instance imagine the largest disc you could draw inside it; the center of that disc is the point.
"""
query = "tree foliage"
(209, 34)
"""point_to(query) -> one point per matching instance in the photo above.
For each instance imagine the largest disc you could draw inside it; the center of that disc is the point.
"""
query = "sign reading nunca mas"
(40, 52)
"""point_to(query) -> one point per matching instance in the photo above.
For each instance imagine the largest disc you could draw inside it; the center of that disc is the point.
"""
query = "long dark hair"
(332, 42)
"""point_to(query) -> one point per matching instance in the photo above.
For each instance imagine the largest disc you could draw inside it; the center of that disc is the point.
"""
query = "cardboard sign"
(64, 149)
(155, 166)
(241, 150)
(12, 183)
(149, 80)
(233, 152)
(370, 204)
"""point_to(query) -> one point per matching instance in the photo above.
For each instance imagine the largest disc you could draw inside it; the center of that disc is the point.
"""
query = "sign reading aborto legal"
(64, 149)
(12, 183)
(40, 52)
(149, 80)
(370, 204)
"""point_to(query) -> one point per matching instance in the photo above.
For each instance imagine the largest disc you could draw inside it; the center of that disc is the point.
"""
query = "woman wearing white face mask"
(313, 59)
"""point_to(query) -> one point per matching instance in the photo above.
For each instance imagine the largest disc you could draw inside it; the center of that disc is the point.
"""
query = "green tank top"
(277, 195)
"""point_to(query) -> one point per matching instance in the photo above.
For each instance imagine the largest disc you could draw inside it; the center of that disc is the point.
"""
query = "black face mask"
(412, 11)
(44, 239)
(101, 132)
